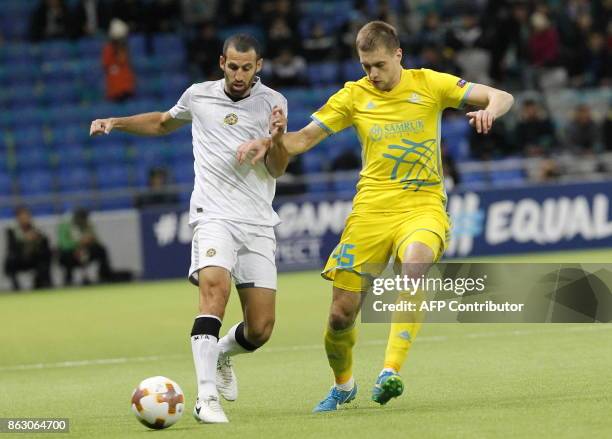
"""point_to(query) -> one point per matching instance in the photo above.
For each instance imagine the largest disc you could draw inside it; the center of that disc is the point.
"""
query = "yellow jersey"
(399, 131)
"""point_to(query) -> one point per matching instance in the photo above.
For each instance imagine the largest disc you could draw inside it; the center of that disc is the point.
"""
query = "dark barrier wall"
(488, 222)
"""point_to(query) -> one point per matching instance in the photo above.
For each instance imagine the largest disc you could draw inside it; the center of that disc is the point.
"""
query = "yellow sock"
(400, 340)
(339, 348)
(404, 329)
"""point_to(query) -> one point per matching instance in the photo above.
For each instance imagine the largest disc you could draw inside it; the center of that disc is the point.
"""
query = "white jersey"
(224, 189)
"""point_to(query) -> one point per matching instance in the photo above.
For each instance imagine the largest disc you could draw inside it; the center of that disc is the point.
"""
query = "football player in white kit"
(230, 211)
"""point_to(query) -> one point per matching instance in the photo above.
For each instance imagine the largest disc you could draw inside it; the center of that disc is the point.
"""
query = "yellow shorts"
(369, 242)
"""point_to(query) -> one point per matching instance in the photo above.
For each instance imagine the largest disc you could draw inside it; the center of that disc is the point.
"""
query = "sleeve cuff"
(322, 125)
(463, 100)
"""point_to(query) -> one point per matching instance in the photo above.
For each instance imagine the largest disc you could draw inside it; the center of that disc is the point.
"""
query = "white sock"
(228, 344)
(348, 386)
(205, 349)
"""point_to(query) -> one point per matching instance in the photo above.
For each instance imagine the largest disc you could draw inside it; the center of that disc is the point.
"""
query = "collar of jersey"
(254, 88)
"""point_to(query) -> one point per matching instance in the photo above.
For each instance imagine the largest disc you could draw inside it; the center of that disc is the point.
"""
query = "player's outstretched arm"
(495, 104)
(276, 158)
(146, 124)
(293, 143)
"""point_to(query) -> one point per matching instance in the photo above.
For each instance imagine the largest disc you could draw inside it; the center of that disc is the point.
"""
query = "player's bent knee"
(341, 318)
(260, 333)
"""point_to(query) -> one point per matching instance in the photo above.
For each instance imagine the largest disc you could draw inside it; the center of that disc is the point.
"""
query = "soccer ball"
(158, 402)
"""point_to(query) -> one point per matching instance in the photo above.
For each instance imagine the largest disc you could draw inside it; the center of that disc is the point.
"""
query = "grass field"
(79, 353)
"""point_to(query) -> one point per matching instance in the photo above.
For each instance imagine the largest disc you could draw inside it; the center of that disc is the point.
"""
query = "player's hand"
(482, 120)
(255, 150)
(278, 123)
(101, 126)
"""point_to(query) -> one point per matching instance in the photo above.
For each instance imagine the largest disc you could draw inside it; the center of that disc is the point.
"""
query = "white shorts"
(246, 251)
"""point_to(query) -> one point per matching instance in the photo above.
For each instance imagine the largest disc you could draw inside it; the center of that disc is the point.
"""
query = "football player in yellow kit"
(399, 209)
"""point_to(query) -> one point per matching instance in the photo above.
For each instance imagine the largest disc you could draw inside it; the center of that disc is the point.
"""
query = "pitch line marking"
(280, 349)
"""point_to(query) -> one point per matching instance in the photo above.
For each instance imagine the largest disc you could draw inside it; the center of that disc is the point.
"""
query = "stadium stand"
(51, 89)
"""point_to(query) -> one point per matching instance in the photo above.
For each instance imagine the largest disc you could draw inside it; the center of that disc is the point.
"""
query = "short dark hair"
(242, 43)
(376, 34)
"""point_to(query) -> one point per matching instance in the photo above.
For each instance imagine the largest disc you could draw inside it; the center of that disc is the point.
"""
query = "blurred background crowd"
(64, 63)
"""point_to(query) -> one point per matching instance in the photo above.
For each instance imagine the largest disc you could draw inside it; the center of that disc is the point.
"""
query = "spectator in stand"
(432, 58)
(91, 17)
(582, 133)
(204, 50)
(348, 160)
(288, 69)
(165, 15)
(544, 52)
(346, 38)
(238, 13)
(281, 36)
(607, 130)
(79, 246)
(27, 249)
(51, 19)
(432, 33)
(131, 12)
(290, 182)
(196, 12)
(467, 40)
(598, 68)
(120, 78)
(535, 133)
(280, 9)
(158, 193)
(495, 145)
(319, 45)
(449, 171)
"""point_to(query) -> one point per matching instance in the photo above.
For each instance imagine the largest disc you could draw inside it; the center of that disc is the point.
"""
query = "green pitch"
(79, 353)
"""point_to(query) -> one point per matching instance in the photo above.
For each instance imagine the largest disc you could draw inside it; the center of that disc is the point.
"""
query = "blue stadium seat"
(116, 202)
(61, 94)
(475, 179)
(41, 209)
(150, 86)
(173, 85)
(455, 134)
(112, 176)
(35, 182)
(31, 137)
(31, 158)
(29, 116)
(510, 177)
(74, 179)
(58, 50)
(69, 133)
(344, 185)
(136, 43)
(298, 119)
(111, 153)
(90, 47)
(19, 53)
(352, 70)
(22, 95)
(345, 139)
(23, 73)
(182, 172)
(313, 161)
(323, 73)
(168, 44)
(180, 138)
(152, 152)
(72, 154)
(6, 183)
